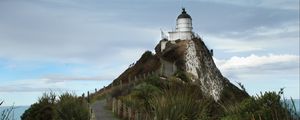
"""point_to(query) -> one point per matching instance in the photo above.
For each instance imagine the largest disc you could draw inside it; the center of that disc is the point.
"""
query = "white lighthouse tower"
(184, 27)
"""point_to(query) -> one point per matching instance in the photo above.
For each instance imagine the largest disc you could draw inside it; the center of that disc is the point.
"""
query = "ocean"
(16, 113)
(19, 110)
(297, 105)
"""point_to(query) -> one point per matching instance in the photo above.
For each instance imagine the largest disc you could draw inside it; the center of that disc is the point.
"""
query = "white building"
(183, 29)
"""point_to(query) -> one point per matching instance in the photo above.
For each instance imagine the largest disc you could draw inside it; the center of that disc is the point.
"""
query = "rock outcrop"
(191, 57)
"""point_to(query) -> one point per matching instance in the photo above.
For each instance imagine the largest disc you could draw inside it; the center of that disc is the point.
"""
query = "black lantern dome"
(184, 14)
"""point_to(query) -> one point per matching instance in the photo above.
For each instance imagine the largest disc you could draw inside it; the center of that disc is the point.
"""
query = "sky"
(80, 45)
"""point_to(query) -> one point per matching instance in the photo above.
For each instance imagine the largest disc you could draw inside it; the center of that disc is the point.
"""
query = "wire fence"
(118, 107)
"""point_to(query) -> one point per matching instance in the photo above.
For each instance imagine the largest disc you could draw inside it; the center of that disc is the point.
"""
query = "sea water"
(297, 104)
(16, 113)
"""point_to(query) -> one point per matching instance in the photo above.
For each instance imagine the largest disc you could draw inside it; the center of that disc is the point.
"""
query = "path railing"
(131, 80)
(116, 105)
(126, 112)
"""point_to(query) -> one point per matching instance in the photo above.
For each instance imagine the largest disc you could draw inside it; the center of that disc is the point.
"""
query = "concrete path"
(101, 112)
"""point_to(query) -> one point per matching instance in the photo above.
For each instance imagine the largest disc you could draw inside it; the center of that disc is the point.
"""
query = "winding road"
(101, 112)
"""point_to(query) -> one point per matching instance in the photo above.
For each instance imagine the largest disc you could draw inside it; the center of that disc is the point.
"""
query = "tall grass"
(178, 105)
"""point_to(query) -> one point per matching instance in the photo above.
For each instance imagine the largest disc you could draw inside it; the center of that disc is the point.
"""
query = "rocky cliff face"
(201, 65)
(191, 57)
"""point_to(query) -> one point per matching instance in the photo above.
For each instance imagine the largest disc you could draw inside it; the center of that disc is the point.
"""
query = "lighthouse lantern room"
(184, 27)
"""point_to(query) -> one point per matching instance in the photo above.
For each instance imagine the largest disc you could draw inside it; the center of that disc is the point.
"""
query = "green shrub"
(147, 54)
(139, 96)
(44, 109)
(97, 97)
(184, 76)
(267, 106)
(121, 90)
(70, 107)
(64, 107)
(156, 81)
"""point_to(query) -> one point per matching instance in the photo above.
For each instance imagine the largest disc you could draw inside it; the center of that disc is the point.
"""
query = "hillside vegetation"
(176, 99)
(58, 107)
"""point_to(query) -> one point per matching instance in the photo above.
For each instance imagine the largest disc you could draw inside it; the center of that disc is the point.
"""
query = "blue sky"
(75, 45)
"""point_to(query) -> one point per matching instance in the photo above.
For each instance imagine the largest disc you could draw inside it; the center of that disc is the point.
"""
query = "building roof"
(184, 14)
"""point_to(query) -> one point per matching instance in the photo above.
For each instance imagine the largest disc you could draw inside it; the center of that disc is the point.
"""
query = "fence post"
(134, 83)
(136, 115)
(129, 80)
(88, 96)
(121, 83)
(129, 113)
(119, 108)
(113, 105)
(155, 73)
(124, 111)
(147, 74)
(82, 96)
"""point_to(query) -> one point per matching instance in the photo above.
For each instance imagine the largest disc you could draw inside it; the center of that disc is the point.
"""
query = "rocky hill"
(191, 57)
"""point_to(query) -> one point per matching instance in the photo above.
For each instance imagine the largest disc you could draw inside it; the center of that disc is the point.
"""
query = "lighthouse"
(184, 27)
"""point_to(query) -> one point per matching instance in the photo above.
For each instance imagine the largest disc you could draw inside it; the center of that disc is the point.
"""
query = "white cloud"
(254, 65)
(45, 31)
(261, 73)
(255, 61)
(281, 37)
(63, 78)
(30, 85)
(232, 44)
(274, 4)
(283, 4)
(50, 83)
(279, 31)
(26, 92)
